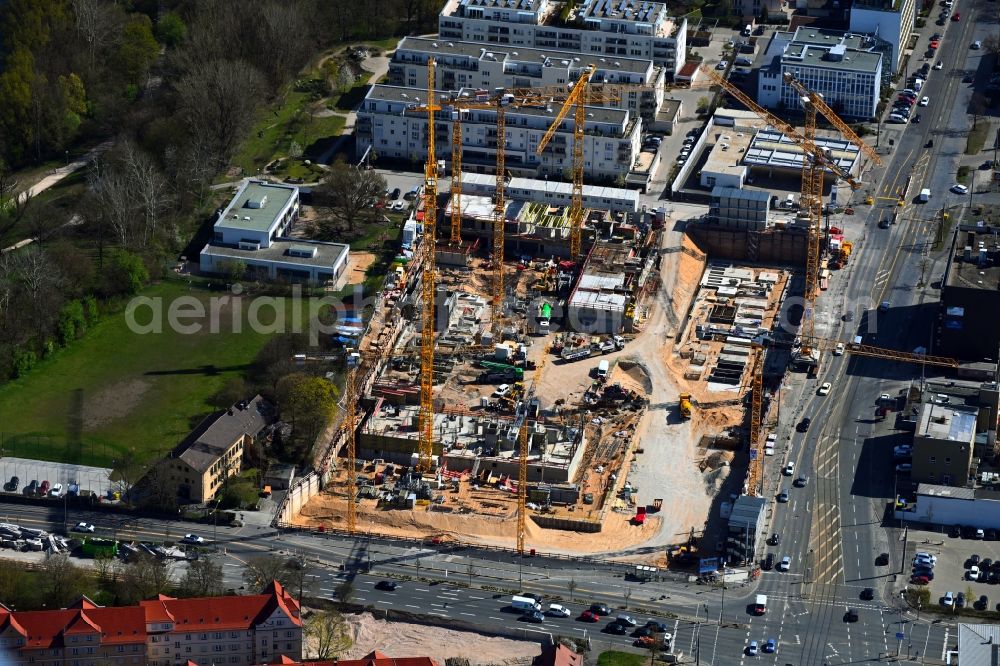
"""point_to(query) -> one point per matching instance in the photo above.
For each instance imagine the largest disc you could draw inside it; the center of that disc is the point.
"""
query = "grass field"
(977, 138)
(618, 658)
(114, 389)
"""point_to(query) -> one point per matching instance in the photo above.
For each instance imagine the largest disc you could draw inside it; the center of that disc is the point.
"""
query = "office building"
(943, 443)
(970, 296)
(252, 233)
(472, 65)
(891, 20)
(845, 68)
(390, 124)
(609, 28)
(746, 527)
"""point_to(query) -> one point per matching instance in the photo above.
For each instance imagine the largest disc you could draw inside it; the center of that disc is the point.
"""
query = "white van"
(760, 604)
(602, 369)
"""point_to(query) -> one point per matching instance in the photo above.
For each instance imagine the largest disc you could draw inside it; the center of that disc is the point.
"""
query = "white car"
(948, 599)
(398, 205)
(959, 189)
(502, 390)
(722, 64)
(938, 65)
(83, 527)
(972, 573)
(56, 490)
(556, 610)
(824, 388)
(976, 45)
(785, 564)
(924, 101)
(839, 349)
(789, 469)
(752, 649)
(192, 538)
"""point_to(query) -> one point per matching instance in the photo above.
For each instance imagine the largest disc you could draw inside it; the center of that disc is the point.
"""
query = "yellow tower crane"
(523, 447)
(428, 280)
(816, 159)
(577, 99)
(350, 418)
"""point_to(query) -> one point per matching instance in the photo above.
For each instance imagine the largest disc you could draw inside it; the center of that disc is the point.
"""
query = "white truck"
(525, 604)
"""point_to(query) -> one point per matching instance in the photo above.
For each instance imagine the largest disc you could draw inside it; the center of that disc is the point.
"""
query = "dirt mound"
(402, 639)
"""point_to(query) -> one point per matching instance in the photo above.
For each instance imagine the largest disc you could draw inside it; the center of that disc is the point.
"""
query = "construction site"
(548, 377)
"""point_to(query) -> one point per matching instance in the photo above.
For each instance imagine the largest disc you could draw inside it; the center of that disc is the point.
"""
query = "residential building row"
(390, 124)
(245, 630)
(612, 28)
(471, 65)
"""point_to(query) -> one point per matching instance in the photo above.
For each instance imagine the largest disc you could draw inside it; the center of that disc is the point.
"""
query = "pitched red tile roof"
(223, 613)
(558, 655)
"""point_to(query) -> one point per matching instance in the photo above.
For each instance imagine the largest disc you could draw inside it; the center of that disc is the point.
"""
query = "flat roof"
(946, 423)
(973, 274)
(524, 5)
(931, 490)
(746, 512)
(418, 97)
(736, 193)
(726, 154)
(257, 205)
(552, 186)
(639, 11)
(770, 147)
(326, 254)
(807, 34)
(477, 207)
(480, 50)
(598, 300)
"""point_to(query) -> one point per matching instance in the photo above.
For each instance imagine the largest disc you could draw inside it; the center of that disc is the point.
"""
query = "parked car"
(824, 388)
(920, 580)
(44, 488)
(938, 65)
(960, 600)
(775, 539)
(804, 424)
(31, 488)
(789, 468)
(783, 495)
(722, 64)
(12, 485)
(882, 560)
(948, 599)
(56, 491)
(768, 562)
(983, 603)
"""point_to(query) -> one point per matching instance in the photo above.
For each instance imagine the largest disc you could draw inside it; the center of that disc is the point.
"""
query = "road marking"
(476, 598)
(498, 619)
(469, 614)
(411, 606)
(387, 603)
(944, 644)
(421, 589)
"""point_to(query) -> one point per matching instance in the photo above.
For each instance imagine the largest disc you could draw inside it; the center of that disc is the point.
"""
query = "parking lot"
(96, 479)
(950, 571)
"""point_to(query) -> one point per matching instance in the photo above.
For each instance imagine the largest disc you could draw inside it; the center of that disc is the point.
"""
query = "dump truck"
(684, 406)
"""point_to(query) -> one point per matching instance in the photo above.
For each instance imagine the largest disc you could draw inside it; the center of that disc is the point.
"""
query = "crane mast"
(428, 279)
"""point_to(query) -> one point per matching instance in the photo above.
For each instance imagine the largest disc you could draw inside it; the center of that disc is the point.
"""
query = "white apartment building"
(472, 65)
(838, 65)
(610, 28)
(891, 20)
(390, 125)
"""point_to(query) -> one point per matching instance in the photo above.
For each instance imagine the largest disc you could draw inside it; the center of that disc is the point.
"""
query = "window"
(933, 459)
(218, 635)
(947, 461)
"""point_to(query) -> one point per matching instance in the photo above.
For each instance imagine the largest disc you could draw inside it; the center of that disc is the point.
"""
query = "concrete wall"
(301, 492)
(981, 513)
(780, 247)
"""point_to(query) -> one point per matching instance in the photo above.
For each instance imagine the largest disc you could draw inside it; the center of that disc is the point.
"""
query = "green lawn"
(977, 138)
(115, 389)
(617, 658)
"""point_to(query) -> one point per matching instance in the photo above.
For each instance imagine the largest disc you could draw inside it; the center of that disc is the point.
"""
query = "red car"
(589, 616)
(957, 17)
(920, 580)
(934, 44)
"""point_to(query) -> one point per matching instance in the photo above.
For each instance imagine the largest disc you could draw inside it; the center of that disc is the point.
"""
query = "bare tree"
(97, 23)
(345, 592)
(149, 189)
(258, 572)
(329, 633)
(110, 187)
(350, 192)
(144, 578)
(572, 587)
(203, 579)
(213, 102)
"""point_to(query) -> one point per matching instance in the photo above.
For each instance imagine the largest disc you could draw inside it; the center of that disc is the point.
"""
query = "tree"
(260, 571)
(63, 582)
(203, 579)
(127, 273)
(350, 192)
(145, 577)
(171, 30)
(307, 403)
(571, 585)
(138, 48)
(126, 473)
(627, 594)
(212, 102)
(345, 592)
(329, 633)
(978, 106)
